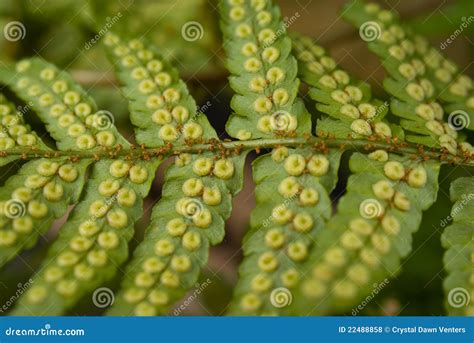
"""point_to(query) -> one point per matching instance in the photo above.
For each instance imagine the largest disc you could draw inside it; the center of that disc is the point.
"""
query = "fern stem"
(232, 147)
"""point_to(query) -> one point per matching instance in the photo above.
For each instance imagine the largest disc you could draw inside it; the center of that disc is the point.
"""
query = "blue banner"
(237, 329)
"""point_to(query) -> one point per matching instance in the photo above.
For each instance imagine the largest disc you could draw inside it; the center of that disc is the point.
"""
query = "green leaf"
(14, 132)
(161, 262)
(32, 199)
(70, 115)
(159, 102)
(427, 86)
(361, 248)
(94, 241)
(458, 241)
(293, 205)
(263, 72)
(188, 219)
(341, 96)
(301, 256)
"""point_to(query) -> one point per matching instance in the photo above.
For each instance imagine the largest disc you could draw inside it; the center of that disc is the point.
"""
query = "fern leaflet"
(459, 257)
(284, 225)
(189, 218)
(349, 101)
(102, 223)
(159, 102)
(419, 79)
(263, 72)
(371, 232)
(15, 133)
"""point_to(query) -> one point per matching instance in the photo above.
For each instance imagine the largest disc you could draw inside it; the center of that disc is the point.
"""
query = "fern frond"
(159, 102)
(263, 72)
(189, 218)
(72, 119)
(300, 258)
(363, 243)
(32, 199)
(94, 241)
(14, 132)
(70, 114)
(264, 75)
(426, 86)
(44, 188)
(356, 114)
(293, 205)
(457, 238)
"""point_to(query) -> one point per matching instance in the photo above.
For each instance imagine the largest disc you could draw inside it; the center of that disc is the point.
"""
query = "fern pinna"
(310, 249)
(459, 256)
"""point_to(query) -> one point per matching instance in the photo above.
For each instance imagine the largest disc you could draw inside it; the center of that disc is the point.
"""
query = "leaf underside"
(302, 256)
(458, 239)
